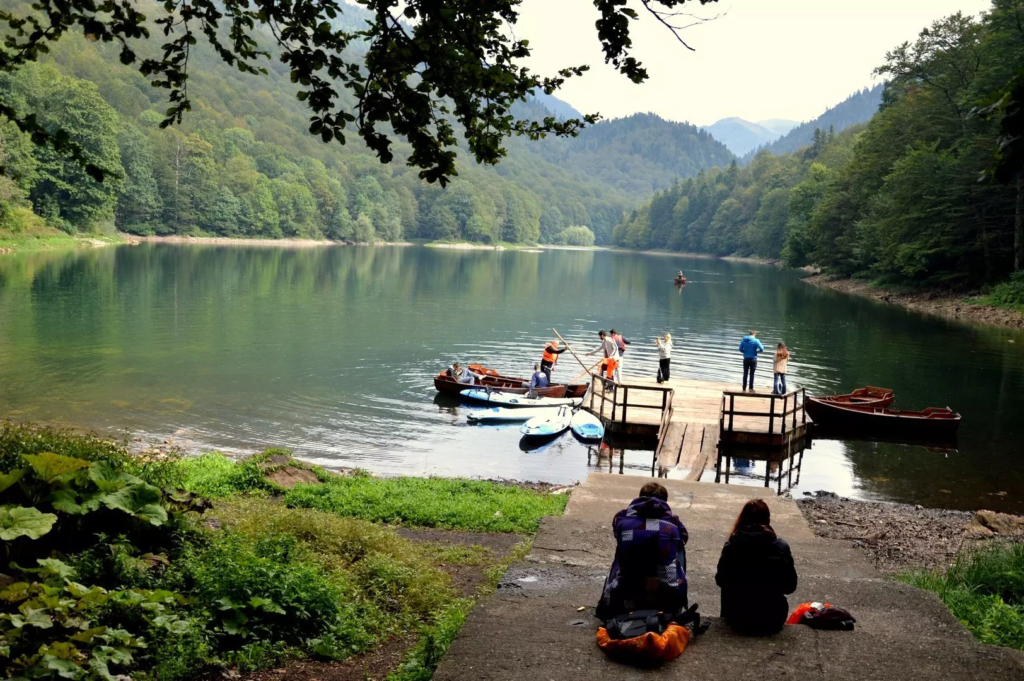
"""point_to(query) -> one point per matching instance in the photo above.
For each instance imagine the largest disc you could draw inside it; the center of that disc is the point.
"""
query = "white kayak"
(513, 400)
(586, 426)
(505, 415)
(548, 426)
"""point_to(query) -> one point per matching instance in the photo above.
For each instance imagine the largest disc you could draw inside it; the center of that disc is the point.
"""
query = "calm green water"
(331, 351)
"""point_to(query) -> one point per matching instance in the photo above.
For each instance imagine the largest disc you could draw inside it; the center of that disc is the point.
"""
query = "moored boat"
(932, 423)
(507, 415)
(489, 378)
(586, 426)
(870, 396)
(514, 400)
(548, 426)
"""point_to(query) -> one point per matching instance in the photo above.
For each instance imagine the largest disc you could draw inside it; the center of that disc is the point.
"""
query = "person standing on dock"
(664, 357)
(750, 347)
(781, 362)
(610, 363)
(551, 353)
(621, 343)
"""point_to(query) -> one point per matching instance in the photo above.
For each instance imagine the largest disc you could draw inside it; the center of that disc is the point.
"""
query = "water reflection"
(332, 350)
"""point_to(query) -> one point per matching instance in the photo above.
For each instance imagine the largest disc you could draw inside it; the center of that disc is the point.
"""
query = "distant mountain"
(561, 110)
(742, 136)
(639, 154)
(857, 108)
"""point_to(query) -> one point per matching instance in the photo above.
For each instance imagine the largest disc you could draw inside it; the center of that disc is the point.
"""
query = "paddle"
(571, 350)
(586, 372)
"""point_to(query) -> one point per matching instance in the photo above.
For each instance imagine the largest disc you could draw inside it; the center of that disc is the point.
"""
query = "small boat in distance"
(863, 397)
(934, 423)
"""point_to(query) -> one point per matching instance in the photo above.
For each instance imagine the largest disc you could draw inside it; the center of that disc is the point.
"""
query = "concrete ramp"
(532, 628)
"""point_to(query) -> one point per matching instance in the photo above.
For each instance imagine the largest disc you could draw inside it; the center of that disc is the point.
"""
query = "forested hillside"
(243, 164)
(902, 198)
(857, 108)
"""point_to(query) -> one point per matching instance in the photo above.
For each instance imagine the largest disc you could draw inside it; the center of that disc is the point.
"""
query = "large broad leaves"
(8, 479)
(49, 466)
(22, 521)
(140, 500)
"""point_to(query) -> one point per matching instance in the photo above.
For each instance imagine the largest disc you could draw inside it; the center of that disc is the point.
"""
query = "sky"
(760, 59)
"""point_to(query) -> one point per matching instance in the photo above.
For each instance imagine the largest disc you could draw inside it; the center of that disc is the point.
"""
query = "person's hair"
(755, 512)
(668, 336)
(654, 489)
(612, 331)
(783, 350)
(753, 332)
(456, 364)
(536, 367)
(601, 333)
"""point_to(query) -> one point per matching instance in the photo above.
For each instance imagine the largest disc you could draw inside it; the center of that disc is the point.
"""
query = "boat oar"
(587, 371)
(567, 347)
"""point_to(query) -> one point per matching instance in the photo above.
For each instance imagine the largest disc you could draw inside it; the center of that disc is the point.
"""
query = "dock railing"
(782, 418)
(619, 400)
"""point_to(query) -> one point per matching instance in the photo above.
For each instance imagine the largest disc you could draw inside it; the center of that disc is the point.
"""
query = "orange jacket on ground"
(650, 646)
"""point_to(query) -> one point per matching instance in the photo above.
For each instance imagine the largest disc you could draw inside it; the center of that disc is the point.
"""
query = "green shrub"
(984, 589)
(431, 502)
(1008, 294)
(18, 439)
(576, 235)
(216, 476)
(419, 664)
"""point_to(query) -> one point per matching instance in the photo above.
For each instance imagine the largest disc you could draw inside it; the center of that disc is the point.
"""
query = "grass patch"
(431, 502)
(1009, 294)
(984, 589)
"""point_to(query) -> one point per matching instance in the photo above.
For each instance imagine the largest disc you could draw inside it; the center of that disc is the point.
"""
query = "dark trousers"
(780, 383)
(546, 368)
(749, 366)
(663, 369)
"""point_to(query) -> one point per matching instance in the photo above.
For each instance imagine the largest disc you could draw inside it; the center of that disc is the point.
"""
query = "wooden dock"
(690, 423)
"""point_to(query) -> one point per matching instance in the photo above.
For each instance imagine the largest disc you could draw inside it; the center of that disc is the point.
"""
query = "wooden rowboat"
(864, 397)
(510, 384)
(933, 423)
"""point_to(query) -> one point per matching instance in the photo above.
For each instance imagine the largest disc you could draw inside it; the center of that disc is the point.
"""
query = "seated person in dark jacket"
(649, 570)
(755, 573)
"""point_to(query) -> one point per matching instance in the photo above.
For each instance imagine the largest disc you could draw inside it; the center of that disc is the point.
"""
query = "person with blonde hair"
(664, 356)
(781, 362)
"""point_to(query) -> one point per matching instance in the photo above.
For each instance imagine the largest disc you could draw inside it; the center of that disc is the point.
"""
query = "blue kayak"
(586, 426)
(514, 400)
(548, 426)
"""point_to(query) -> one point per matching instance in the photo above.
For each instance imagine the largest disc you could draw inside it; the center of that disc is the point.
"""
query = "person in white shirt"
(664, 356)
(611, 357)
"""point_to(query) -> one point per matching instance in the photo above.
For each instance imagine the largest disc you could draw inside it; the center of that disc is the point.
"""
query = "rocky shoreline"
(904, 537)
(936, 302)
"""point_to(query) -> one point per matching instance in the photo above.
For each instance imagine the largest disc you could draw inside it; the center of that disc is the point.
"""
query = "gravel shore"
(898, 537)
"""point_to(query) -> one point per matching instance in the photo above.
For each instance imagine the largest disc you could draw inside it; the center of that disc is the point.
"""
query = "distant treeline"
(902, 198)
(243, 164)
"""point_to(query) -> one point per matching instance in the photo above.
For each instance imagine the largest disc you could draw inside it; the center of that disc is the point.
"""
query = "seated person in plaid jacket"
(649, 570)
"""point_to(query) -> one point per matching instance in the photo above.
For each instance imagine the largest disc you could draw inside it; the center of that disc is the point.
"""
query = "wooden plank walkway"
(689, 429)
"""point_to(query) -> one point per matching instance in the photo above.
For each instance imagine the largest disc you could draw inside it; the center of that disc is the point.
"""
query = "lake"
(331, 351)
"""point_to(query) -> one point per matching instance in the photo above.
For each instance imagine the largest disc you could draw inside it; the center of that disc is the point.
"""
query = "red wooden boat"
(863, 397)
(933, 423)
(509, 384)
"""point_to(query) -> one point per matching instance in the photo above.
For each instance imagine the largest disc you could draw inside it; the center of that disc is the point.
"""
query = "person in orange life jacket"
(611, 357)
(551, 353)
(622, 343)
(649, 569)
(755, 573)
(538, 380)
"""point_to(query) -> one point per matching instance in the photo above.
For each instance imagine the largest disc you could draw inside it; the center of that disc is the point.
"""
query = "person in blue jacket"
(751, 348)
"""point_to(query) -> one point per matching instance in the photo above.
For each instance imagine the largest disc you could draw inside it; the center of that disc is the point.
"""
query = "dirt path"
(941, 303)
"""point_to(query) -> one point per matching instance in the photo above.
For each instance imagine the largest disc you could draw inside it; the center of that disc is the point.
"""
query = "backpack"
(822, 616)
(646, 637)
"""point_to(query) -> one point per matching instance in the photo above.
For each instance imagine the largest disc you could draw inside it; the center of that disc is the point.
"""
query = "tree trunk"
(1018, 225)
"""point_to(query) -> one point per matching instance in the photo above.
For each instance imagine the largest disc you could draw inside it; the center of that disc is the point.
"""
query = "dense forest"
(243, 164)
(903, 198)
